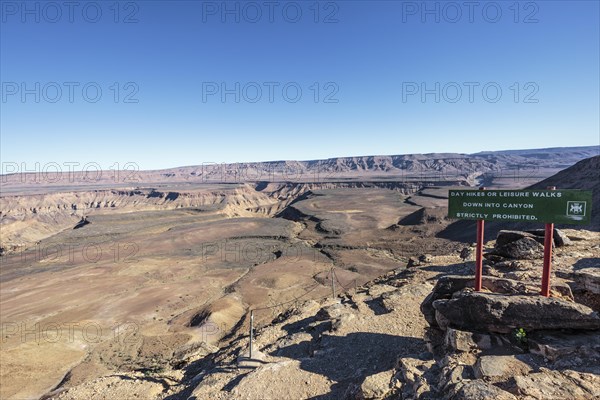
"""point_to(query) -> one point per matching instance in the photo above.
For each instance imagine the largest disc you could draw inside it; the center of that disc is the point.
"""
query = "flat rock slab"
(491, 312)
(480, 390)
(556, 385)
(448, 285)
(376, 386)
(589, 279)
(553, 345)
(496, 367)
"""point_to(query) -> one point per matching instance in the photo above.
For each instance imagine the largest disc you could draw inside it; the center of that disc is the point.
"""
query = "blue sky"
(375, 78)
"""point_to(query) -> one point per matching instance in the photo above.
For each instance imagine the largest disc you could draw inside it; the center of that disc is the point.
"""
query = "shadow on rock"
(586, 263)
(348, 360)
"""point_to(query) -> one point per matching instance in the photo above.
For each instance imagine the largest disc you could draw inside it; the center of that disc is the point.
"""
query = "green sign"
(557, 206)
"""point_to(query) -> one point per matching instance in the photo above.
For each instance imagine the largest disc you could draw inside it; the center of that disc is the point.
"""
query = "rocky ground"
(419, 332)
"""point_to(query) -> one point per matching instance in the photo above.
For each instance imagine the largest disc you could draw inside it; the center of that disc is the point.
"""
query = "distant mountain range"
(450, 167)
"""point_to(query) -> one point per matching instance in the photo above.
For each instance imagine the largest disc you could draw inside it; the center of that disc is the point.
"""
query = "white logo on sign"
(576, 208)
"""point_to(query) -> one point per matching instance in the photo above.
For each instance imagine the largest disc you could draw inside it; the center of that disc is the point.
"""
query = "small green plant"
(521, 335)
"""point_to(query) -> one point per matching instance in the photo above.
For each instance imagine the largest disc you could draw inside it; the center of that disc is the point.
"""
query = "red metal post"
(479, 253)
(548, 241)
(479, 256)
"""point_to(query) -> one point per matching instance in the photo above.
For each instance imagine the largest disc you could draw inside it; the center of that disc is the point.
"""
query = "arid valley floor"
(113, 282)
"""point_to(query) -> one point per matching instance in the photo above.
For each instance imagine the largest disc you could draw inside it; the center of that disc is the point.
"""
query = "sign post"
(251, 333)
(548, 241)
(547, 206)
(479, 253)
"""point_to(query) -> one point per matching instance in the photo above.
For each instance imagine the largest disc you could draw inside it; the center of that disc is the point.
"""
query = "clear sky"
(187, 82)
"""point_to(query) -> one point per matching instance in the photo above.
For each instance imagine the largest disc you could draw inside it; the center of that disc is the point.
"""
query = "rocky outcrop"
(491, 312)
(417, 377)
(518, 245)
(27, 219)
(500, 367)
(506, 237)
(554, 345)
(507, 341)
(83, 222)
(447, 286)
(586, 286)
(463, 341)
(525, 245)
(559, 237)
(480, 390)
(557, 385)
(376, 386)
(589, 279)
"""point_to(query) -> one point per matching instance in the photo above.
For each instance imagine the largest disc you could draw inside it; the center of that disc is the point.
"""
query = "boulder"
(505, 237)
(454, 375)
(376, 386)
(447, 285)
(459, 340)
(500, 367)
(425, 258)
(415, 375)
(521, 245)
(523, 249)
(443, 289)
(492, 312)
(456, 340)
(554, 345)
(587, 286)
(412, 263)
(343, 322)
(331, 312)
(480, 390)
(557, 385)
(434, 340)
(467, 254)
(588, 279)
(559, 237)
